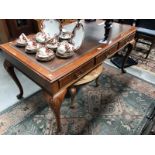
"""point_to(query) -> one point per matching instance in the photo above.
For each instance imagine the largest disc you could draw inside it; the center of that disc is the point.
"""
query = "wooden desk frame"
(55, 84)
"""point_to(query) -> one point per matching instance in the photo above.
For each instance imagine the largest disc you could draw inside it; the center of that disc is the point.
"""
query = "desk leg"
(10, 69)
(129, 50)
(73, 94)
(55, 104)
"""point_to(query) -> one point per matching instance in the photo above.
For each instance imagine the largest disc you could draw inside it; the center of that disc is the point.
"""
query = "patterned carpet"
(139, 55)
(117, 107)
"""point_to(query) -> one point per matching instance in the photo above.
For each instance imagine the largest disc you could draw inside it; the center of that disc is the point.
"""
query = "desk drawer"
(126, 40)
(112, 50)
(106, 53)
(79, 72)
(101, 57)
(131, 37)
(122, 43)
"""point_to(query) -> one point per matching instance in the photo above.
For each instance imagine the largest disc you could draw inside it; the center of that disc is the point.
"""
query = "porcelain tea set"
(54, 39)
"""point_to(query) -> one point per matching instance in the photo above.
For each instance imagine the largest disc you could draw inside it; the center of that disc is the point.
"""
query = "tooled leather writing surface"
(93, 33)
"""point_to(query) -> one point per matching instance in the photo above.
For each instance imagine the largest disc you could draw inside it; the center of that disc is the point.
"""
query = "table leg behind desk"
(55, 104)
(130, 47)
(10, 69)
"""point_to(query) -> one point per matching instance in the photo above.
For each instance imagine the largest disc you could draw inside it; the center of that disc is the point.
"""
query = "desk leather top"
(93, 33)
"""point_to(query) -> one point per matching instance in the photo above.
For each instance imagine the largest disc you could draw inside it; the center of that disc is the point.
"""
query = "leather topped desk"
(56, 76)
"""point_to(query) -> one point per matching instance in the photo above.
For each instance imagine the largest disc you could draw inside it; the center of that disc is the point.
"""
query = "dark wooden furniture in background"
(57, 76)
(146, 32)
(131, 22)
(4, 32)
(12, 28)
(18, 26)
(117, 60)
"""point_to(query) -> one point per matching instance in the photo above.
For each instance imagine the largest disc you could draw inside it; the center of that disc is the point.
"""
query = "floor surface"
(9, 90)
(118, 106)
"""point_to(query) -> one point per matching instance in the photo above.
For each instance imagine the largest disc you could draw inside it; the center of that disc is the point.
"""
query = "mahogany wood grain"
(10, 69)
(55, 104)
(72, 91)
(56, 76)
(90, 48)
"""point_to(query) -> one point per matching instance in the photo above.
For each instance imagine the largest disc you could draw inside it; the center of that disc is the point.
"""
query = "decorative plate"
(22, 40)
(69, 27)
(32, 47)
(45, 54)
(51, 27)
(78, 36)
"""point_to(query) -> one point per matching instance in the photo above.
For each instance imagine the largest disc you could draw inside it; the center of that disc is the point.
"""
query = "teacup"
(41, 37)
(52, 43)
(22, 40)
(32, 46)
(43, 52)
(65, 47)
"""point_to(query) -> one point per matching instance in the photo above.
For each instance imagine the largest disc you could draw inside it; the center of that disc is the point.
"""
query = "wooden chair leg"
(97, 81)
(149, 51)
(136, 41)
(130, 48)
(73, 94)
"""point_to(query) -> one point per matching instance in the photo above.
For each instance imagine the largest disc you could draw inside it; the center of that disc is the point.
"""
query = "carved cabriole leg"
(55, 104)
(129, 50)
(10, 69)
(73, 94)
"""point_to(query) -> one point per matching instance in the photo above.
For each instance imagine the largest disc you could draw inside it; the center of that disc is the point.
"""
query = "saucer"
(20, 43)
(65, 46)
(65, 55)
(32, 47)
(65, 50)
(45, 54)
(22, 40)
